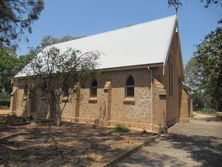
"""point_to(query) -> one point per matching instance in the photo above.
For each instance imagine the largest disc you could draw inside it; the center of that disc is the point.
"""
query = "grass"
(120, 129)
(207, 111)
(4, 107)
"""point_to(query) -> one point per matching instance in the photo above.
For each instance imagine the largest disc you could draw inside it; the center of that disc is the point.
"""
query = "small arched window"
(26, 90)
(130, 87)
(93, 88)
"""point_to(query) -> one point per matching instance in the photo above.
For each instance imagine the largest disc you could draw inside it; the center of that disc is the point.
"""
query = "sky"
(88, 17)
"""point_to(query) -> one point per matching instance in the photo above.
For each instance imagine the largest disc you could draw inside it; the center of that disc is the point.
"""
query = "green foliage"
(46, 41)
(193, 78)
(120, 129)
(9, 66)
(16, 18)
(209, 57)
(56, 71)
(208, 110)
(4, 100)
(193, 75)
(203, 73)
(4, 104)
(4, 96)
(50, 40)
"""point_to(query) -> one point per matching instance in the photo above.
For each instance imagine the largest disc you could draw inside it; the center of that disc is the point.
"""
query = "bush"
(4, 100)
(207, 111)
(120, 128)
(4, 104)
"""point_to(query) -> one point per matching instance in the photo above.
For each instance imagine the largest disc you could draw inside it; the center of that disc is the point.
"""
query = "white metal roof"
(145, 43)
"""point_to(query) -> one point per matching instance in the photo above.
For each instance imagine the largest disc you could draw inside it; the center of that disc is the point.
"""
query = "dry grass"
(41, 144)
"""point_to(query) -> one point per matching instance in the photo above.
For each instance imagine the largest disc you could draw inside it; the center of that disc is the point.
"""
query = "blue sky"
(86, 17)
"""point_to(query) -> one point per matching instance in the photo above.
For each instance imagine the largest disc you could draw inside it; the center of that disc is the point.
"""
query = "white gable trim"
(167, 53)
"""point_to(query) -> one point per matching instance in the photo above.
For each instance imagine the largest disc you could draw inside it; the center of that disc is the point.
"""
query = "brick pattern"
(173, 99)
(110, 106)
(185, 108)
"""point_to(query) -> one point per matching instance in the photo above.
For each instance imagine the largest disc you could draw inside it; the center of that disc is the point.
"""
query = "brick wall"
(111, 106)
(173, 91)
(185, 108)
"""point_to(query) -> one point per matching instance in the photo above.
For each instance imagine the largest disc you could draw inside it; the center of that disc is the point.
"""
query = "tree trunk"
(55, 109)
(58, 112)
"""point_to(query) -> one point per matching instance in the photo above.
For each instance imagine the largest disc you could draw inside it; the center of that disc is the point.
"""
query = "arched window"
(130, 87)
(26, 90)
(93, 88)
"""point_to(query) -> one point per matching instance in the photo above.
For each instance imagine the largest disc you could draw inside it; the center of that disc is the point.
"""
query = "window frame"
(26, 90)
(129, 86)
(93, 88)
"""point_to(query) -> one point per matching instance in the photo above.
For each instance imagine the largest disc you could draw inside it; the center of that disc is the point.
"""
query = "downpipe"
(151, 92)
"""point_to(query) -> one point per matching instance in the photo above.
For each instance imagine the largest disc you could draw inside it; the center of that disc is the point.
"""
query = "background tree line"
(16, 18)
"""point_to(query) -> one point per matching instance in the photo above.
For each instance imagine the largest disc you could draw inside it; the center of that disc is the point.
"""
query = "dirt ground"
(4, 112)
(197, 143)
(28, 144)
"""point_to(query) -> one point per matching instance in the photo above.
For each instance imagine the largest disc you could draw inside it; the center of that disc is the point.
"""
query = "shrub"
(208, 111)
(120, 128)
(4, 104)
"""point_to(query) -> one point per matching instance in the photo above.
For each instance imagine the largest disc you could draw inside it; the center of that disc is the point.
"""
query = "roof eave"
(132, 67)
(123, 68)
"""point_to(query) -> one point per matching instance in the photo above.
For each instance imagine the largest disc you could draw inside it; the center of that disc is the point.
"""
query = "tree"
(16, 18)
(194, 79)
(59, 74)
(46, 41)
(203, 73)
(178, 3)
(209, 57)
(50, 40)
(9, 66)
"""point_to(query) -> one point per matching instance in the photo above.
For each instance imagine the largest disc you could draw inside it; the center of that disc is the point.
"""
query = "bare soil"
(24, 143)
(217, 116)
(5, 111)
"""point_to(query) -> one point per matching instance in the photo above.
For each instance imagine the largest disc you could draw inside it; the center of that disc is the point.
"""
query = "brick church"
(140, 86)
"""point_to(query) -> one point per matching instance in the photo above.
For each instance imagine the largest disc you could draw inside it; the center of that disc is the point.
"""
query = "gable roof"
(146, 43)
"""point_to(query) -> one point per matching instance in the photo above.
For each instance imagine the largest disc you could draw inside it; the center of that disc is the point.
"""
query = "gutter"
(151, 92)
(111, 69)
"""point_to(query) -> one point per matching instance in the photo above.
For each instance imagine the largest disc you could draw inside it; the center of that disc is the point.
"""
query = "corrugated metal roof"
(145, 43)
